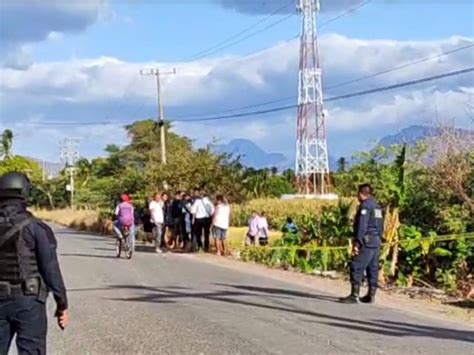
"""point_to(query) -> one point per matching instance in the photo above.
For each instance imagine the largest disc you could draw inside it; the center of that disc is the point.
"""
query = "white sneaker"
(159, 251)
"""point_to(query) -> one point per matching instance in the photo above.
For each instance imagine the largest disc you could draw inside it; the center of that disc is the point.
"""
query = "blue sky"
(157, 32)
(54, 68)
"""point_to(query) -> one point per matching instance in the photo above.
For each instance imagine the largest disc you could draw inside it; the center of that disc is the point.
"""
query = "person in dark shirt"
(368, 233)
(176, 211)
(167, 221)
(186, 221)
(289, 227)
(29, 269)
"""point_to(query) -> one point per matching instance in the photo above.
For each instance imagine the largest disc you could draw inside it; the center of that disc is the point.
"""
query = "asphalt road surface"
(175, 304)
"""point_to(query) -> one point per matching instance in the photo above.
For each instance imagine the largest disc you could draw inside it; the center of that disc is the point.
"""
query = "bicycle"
(125, 244)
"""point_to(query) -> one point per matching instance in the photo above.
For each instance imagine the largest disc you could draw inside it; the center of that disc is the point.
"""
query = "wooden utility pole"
(161, 119)
(70, 154)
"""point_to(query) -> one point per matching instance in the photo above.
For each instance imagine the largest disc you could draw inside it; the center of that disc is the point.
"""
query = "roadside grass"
(236, 237)
(84, 220)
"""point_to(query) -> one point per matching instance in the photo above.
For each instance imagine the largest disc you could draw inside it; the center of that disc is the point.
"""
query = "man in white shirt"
(202, 211)
(157, 218)
(220, 224)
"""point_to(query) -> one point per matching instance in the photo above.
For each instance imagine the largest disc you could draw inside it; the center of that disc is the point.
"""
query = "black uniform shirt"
(368, 223)
(40, 238)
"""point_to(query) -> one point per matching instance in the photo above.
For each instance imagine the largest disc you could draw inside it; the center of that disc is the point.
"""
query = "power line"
(344, 13)
(253, 34)
(215, 49)
(223, 45)
(321, 25)
(335, 98)
(396, 86)
(401, 66)
(281, 108)
(218, 47)
(205, 52)
(352, 81)
(122, 101)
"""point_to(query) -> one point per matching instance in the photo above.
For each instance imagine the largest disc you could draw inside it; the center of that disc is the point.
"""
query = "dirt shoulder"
(420, 307)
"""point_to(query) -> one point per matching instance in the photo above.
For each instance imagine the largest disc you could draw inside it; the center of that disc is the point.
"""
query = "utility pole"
(69, 155)
(312, 166)
(161, 120)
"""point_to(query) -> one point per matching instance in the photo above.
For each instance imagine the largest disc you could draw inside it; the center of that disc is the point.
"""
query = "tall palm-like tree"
(84, 170)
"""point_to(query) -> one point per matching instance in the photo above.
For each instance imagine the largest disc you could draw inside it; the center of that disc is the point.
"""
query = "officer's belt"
(16, 291)
(30, 287)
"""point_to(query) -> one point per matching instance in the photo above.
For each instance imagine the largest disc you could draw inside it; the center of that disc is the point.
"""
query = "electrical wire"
(335, 98)
(214, 48)
(281, 108)
(352, 81)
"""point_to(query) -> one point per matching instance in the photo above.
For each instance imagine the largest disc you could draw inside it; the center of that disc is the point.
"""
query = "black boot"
(370, 296)
(353, 298)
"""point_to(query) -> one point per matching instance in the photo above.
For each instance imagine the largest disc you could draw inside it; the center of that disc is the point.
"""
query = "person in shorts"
(220, 224)
(252, 229)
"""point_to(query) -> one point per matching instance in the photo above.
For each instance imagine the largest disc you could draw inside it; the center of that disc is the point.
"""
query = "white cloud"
(29, 21)
(110, 89)
(55, 36)
(33, 20)
(19, 58)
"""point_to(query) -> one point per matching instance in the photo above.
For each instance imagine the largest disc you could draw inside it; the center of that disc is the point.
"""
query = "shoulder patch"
(363, 211)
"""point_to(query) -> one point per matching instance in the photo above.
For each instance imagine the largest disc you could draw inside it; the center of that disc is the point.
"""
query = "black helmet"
(14, 185)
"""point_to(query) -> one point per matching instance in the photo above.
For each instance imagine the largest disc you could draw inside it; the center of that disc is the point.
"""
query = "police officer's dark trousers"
(367, 261)
(25, 317)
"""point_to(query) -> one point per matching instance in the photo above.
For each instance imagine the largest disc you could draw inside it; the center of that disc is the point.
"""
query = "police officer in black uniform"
(368, 233)
(29, 269)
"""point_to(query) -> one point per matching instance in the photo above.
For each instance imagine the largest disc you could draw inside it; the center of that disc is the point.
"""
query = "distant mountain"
(410, 135)
(252, 155)
(413, 134)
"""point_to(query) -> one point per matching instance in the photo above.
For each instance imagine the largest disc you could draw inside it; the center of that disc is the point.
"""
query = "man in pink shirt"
(125, 216)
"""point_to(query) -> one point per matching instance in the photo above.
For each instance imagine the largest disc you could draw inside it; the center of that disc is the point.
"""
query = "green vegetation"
(426, 191)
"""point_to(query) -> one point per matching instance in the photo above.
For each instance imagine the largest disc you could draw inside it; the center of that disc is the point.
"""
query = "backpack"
(126, 214)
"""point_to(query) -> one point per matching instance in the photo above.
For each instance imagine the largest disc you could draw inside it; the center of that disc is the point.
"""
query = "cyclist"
(125, 217)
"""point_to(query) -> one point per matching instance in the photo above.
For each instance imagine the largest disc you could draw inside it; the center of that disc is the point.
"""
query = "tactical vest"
(17, 262)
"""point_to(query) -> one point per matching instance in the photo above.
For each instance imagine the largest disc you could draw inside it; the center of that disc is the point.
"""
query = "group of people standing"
(186, 222)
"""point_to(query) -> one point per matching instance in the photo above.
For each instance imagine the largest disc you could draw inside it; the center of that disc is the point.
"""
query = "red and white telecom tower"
(312, 165)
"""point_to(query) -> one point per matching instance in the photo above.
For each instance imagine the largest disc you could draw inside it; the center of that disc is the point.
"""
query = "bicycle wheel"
(118, 247)
(128, 248)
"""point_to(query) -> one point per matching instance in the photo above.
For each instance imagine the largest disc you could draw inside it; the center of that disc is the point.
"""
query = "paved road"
(175, 304)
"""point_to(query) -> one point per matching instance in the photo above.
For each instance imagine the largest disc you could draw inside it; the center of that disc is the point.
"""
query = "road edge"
(418, 307)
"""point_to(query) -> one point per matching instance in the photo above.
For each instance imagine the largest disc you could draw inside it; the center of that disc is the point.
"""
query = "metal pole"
(69, 155)
(161, 117)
